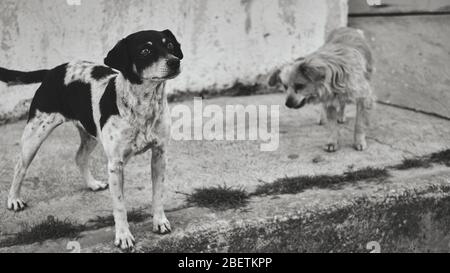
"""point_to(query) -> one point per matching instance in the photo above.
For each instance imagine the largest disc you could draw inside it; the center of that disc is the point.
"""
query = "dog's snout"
(294, 103)
(291, 102)
(173, 63)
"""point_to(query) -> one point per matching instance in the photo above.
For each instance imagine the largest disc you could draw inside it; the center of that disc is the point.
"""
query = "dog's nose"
(290, 103)
(293, 103)
(173, 63)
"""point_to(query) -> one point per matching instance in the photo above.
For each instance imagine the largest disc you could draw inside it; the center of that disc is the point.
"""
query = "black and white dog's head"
(147, 55)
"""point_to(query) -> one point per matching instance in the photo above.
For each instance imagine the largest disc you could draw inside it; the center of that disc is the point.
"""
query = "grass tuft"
(442, 157)
(50, 228)
(365, 174)
(413, 163)
(293, 185)
(220, 197)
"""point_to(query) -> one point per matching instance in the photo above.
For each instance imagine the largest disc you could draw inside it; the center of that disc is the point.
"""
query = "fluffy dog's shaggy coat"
(337, 73)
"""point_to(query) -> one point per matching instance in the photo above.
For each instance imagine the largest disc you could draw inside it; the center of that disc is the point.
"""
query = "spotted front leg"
(160, 222)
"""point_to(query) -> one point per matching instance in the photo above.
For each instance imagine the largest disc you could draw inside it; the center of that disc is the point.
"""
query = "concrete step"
(406, 213)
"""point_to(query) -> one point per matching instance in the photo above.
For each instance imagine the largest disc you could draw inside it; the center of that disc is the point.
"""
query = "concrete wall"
(223, 41)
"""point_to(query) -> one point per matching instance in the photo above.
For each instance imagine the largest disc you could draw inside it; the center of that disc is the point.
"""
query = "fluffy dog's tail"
(13, 77)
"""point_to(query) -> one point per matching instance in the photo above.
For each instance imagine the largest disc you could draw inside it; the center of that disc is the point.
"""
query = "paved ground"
(53, 186)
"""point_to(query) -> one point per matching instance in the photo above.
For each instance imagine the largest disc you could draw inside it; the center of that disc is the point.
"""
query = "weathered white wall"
(224, 41)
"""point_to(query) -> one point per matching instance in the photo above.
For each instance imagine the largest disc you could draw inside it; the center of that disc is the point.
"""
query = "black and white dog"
(123, 105)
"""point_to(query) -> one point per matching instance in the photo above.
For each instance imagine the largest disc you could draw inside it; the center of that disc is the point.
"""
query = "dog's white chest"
(145, 133)
(142, 115)
(145, 117)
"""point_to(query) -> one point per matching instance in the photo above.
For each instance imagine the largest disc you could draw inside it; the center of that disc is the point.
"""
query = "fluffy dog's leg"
(323, 115)
(87, 146)
(361, 122)
(160, 222)
(333, 128)
(36, 131)
(124, 239)
(341, 114)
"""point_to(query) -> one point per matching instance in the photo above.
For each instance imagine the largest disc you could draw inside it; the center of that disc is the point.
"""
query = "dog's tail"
(13, 77)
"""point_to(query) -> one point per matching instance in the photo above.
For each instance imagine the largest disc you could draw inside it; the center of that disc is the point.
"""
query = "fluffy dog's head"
(304, 82)
(147, 55)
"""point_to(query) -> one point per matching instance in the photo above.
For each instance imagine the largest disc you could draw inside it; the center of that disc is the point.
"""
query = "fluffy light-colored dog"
(337, 73)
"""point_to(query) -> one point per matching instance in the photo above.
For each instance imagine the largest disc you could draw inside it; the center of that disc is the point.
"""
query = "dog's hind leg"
(333, 128)
(36, 131)
(323, 116)
(87, 146)
(341, 113)
(341, 118)
(362, 121)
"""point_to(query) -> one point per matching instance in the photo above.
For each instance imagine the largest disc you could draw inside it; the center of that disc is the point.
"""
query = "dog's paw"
(342, 120)
(16, 204)
(96, 185)
(161, 225)
(331, 147)
(360, 142)
(361, 146)
(323, 122)
(124, 239)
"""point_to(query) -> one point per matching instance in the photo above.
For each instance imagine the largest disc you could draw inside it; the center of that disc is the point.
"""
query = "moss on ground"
(293, 185)
(399, 223)
(219, 197)
(54, 228)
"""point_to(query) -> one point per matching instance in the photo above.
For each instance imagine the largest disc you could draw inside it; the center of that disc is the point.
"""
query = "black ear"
(119, 58)
(275, 78)
(311, 72)
(177, 47)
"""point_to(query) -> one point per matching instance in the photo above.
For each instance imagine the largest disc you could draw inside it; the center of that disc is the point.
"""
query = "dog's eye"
(145, 52)
(299, 86)
(170, 46)
(285, 86)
